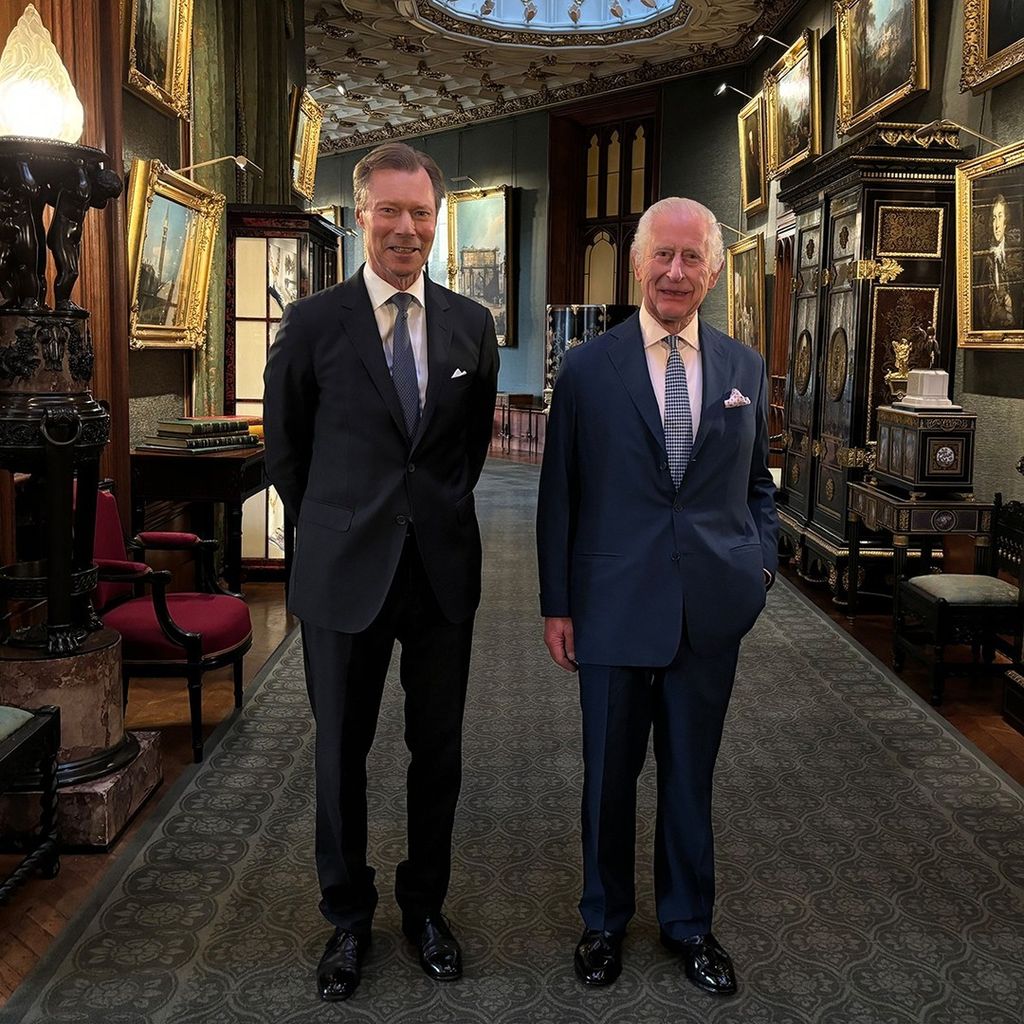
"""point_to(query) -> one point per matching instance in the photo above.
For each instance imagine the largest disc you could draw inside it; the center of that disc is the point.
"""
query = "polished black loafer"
(440, 955)
(598, 957)
(707, 965)
(337, 974)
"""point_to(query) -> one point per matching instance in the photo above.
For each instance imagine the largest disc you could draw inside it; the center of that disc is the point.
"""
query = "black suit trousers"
(345, 675)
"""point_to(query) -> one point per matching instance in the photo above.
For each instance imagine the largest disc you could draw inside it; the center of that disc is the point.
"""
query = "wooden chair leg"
(237, 671)
(938, 676)
(195, 707)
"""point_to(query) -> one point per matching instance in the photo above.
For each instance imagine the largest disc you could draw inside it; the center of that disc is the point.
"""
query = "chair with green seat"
(29, 742)
(949, 609)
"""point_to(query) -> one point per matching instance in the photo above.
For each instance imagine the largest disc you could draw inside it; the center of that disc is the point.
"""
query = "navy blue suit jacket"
(627, 557)
(348, 475)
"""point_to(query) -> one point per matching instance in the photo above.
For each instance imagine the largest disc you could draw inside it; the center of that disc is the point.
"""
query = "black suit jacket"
(351, 480)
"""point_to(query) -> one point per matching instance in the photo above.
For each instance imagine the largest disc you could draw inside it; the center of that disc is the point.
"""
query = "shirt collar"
(652, 332)
(380, 290)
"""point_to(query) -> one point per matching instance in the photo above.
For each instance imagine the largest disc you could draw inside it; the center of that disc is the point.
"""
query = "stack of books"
(204, 434)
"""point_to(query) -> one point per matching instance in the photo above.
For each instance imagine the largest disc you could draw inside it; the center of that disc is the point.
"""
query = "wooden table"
(920, 518)
(226, 477)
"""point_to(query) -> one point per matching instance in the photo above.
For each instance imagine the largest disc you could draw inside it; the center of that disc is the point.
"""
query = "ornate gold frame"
(978, 72)
(150, 178)
(304, 150)
(755, 242)
(176, 100)
(967, 174)
(805, 48)
(916, 82)
(754, 108)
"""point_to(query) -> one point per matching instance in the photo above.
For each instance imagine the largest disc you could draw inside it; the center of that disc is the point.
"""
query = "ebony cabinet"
(873, 280)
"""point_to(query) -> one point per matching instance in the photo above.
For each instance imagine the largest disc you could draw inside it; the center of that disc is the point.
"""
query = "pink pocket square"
(736, 399)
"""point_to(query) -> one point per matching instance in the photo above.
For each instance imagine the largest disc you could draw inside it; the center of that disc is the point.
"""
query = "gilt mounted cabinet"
(873, 285)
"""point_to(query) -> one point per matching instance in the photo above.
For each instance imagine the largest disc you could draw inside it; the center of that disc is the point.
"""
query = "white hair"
(714, 246)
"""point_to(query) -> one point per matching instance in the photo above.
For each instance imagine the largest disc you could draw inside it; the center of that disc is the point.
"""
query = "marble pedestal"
(104, 773)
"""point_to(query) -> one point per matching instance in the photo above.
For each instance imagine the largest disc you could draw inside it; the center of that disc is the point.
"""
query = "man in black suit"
(378, 406)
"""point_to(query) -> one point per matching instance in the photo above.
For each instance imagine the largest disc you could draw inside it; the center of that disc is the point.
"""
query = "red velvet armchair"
(168, 634)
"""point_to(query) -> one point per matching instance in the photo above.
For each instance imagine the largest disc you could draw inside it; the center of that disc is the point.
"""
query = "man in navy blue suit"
(657, 539)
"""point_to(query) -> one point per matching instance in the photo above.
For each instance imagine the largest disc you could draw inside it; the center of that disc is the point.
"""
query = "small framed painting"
(753, 179)
(793, 106)
(744, 262)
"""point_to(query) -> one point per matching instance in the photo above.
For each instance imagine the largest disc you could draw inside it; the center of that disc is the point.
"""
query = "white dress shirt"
(386, 314)
(657, 362)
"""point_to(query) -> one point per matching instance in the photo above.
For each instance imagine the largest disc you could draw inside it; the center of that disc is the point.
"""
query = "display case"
(569, 325)
(276, 254)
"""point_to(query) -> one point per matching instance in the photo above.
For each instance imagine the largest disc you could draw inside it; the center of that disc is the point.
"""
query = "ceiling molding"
(405, 75)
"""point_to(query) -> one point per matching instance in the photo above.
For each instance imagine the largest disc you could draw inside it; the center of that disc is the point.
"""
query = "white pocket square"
(736, 399)
(458, 373)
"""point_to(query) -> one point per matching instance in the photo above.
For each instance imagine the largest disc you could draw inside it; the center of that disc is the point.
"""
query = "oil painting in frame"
(793, 106)
(882, 57)
(753, 181)
(480, 253)
(993, 43)
(307, 118)
(160, 52)
(172, 225)
(990, 249)
(744, 263)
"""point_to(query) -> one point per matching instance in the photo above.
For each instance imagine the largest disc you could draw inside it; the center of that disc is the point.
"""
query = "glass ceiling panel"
(558, 15)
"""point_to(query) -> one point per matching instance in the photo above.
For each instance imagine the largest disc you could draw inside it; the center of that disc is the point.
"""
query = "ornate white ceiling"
(409, 67)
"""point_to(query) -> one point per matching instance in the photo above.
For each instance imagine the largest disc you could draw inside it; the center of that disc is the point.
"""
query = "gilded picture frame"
(990, 250)
(993, 49)
(744, 271)
(882, 58)
(480, 253)
(753, 176)
(159, 44)
(307, 118)
(172, 226)
(792, 93)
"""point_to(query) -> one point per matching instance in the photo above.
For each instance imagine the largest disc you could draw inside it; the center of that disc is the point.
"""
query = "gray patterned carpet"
(871, 862)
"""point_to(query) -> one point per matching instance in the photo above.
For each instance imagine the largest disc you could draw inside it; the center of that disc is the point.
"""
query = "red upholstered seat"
(159, 630)
(222, 621)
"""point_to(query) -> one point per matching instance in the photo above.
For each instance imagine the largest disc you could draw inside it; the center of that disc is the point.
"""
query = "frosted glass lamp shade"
(37, 98)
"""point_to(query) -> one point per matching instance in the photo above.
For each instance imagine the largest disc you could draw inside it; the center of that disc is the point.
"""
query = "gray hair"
(714, 246)
(395, 156)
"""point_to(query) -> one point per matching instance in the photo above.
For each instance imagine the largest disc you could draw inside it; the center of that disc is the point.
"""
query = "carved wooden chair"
(947, 609)
(168, 634)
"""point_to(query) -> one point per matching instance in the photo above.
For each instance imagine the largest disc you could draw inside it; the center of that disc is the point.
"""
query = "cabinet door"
(802, 362)
(837, 364)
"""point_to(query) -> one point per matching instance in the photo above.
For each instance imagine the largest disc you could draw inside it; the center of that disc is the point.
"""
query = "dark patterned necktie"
(678, 419)
(403, 363)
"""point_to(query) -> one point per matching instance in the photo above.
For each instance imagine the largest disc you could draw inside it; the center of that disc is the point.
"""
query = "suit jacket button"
(677, 507)
(675, 556)
(663, 465)
(412, 467)
(401, 520)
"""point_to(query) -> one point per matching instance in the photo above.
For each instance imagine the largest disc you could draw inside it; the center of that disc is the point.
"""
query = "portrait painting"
(159, 36)
(744, 261)
(480, 252)
(750, 127)
(307, 119)
(993, 48)
(172, 225)
(990, 249)
(791, 90)
(883, 58)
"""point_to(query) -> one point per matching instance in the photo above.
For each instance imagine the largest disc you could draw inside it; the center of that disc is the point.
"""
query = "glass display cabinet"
(276, 254)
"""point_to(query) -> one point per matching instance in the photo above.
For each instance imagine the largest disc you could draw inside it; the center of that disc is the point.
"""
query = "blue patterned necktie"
(403, 363)
(678, 419)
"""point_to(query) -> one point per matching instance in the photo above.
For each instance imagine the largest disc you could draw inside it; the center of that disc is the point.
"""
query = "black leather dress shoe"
(440, 955)
(707, 965)
(337, 974)
(598, 957)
